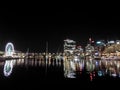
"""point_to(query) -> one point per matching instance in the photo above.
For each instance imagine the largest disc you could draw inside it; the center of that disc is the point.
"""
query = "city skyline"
(54, 25)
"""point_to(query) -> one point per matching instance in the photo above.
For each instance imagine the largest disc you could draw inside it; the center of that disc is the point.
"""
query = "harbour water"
(34, 72)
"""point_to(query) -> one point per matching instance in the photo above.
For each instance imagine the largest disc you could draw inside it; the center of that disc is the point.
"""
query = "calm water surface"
(83, 73)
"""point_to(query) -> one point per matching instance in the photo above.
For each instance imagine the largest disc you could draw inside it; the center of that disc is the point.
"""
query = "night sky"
(33, 27)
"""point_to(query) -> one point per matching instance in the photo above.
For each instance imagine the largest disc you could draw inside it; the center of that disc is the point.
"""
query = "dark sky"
(32, 27)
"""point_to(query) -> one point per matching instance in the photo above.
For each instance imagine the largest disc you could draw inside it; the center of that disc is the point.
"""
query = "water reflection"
(72, 65)
(68, 67)
(30, 62)
(94, 68)
(8, 67)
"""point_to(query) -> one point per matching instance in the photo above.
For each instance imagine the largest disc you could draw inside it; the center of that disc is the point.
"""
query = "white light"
(98, 42)
(118, 42)
(111, 42)
(114, 74)
(8, 68)
(76, 58)
(9, 50)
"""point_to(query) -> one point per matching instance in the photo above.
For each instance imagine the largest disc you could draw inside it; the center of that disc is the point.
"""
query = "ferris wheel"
(9, 50)
(8, 66)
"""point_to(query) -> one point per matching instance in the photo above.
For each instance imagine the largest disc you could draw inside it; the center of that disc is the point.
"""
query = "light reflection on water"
(8, 66)
(70, 68)
(95, 68)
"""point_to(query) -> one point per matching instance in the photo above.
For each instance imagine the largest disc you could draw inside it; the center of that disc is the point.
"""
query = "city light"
(9, 50)
(8, 66)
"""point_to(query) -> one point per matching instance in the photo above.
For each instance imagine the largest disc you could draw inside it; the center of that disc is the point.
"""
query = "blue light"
(100, 73)
(96, 63)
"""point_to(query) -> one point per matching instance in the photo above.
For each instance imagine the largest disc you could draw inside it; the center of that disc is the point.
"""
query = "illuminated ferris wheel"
(9, 50)
(8, 66)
